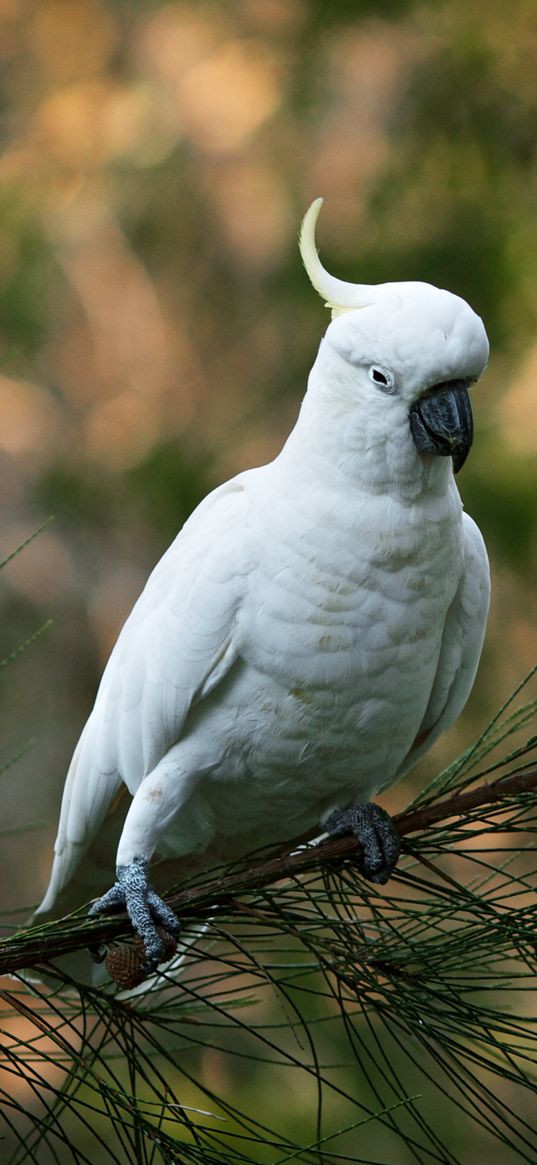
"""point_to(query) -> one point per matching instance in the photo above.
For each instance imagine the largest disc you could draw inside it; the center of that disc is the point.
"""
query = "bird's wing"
(462, 641)
(176, 645)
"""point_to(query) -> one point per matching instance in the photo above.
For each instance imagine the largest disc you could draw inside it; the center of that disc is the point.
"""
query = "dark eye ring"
(382, 379)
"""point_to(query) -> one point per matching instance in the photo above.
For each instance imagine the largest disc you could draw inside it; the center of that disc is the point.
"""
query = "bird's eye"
(382, 378)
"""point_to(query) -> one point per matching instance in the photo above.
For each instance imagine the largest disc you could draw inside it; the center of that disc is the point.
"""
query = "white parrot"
(314, 627)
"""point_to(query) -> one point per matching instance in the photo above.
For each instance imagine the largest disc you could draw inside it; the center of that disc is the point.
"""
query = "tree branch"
(37, 945)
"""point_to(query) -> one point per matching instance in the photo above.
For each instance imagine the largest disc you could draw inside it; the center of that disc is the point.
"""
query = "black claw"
(134, 893)
(376, 834)
(97, 954)
(154, 948)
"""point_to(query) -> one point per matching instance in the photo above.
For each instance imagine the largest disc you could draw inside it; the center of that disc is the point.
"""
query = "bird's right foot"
(134, 893)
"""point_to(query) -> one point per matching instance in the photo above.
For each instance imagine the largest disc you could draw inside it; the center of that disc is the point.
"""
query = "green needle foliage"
(320, 1018)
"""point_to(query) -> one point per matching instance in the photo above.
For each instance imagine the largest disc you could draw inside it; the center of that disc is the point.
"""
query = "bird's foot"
(134, 893)
(376, 834)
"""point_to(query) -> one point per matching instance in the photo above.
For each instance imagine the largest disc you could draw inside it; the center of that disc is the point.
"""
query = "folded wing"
(176, 645)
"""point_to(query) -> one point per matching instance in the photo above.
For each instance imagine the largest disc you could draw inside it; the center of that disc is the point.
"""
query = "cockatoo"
(314, 627)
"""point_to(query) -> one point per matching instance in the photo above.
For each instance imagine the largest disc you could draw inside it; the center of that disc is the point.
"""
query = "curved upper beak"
(441, 422)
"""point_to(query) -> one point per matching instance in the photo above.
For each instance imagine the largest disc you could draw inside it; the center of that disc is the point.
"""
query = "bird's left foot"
(134, 893)
(376, 834)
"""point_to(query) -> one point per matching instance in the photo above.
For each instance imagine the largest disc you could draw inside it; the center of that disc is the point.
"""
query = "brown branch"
(33, 947)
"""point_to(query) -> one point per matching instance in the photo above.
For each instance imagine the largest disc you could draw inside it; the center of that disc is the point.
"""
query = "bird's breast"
(332, 604)
(340, 635)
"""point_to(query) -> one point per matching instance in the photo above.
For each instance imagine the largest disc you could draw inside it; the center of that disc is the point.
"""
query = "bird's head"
(399, 354)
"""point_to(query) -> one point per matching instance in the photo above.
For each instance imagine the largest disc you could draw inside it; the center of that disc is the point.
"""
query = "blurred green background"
(157, 328)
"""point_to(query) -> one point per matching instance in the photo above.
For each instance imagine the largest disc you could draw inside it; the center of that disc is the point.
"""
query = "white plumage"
(315, 625)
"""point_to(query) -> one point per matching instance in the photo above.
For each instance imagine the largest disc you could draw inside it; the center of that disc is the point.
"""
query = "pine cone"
(124, 961)
(124, 964)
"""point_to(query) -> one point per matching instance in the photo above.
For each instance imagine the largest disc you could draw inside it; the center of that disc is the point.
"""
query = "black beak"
(441, 422)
